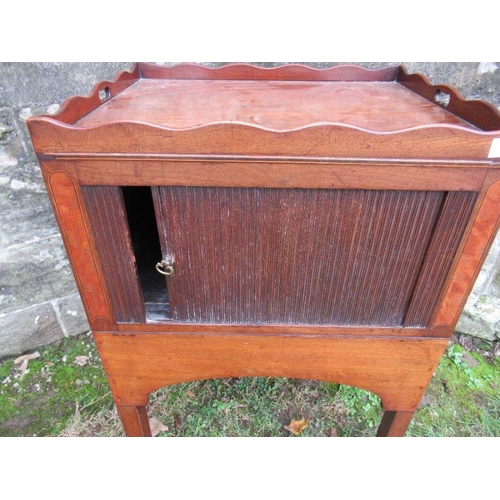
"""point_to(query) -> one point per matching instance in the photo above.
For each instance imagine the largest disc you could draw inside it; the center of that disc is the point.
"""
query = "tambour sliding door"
(308, 256)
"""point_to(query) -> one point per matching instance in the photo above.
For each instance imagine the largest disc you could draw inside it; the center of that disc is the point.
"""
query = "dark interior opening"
(146, 245)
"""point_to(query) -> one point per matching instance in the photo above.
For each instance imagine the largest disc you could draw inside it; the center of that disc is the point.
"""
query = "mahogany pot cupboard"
(322, 224)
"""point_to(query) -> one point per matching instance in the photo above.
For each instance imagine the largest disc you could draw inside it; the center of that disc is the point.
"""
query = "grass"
(56, 396)
(42, 400)
(463, 397)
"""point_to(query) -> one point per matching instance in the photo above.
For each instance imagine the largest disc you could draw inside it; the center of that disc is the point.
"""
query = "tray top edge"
(290, 72)
(478, 113)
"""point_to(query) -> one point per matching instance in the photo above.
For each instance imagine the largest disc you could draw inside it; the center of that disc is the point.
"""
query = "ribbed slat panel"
(294, 256)
(450, 228)
(106, 211)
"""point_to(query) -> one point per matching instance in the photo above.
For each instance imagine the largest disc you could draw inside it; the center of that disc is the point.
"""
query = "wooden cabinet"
(240, 221)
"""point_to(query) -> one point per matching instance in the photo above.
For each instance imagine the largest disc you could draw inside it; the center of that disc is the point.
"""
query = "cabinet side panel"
(473, 254)
(295, 256)
(67, 202)
(108, 219)
(448, 233)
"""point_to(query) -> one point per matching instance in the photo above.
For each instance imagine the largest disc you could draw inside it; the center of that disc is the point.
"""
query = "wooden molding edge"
(76, 107)
(320, 140)
(479, 113)
(245, 71)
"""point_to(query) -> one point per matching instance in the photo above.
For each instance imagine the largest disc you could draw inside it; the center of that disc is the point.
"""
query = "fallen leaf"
(177, 422)
(296, 426)
(334, 433)
(81, 360)
(23, 368)
(23, 361)
(26, 357)
(156, 426)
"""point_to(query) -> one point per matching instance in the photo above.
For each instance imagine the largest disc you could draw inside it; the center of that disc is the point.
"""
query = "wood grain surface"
(108, 220)
(339, 257)
(183, 104)
(398, 371)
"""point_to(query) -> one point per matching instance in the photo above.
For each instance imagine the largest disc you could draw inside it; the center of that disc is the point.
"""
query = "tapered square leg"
(394, 423)
(135, 420)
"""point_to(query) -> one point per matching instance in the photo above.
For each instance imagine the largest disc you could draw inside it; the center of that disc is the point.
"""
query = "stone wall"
(39, 302)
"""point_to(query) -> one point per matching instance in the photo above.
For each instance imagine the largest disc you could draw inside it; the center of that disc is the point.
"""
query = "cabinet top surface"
(293, 110)
(275, 105)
